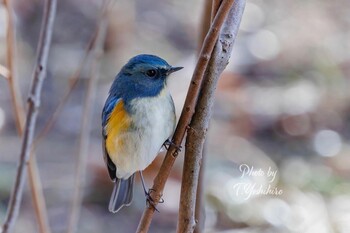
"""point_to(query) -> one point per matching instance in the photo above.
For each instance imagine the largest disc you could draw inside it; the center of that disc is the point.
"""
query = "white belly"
(153, 122)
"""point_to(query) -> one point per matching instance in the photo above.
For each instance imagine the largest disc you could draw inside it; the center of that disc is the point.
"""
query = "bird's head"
(144, 75)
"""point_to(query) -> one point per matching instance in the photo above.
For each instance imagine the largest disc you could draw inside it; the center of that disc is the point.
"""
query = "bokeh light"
(264, 45)
(300, 97)
(253, 17)
(327, 143)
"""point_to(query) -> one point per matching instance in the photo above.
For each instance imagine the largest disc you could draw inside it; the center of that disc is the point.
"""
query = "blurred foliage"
(282, 104)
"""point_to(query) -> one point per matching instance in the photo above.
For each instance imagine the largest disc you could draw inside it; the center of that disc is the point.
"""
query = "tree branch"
(214, 8)
(33, 107)
(186, 115)
(206, 21)
(199, 212)
(10, 58)
(86, 125)
(200, 120)
(19, 115)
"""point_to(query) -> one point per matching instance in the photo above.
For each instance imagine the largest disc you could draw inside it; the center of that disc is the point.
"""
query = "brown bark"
(186, 115)
(201, 118)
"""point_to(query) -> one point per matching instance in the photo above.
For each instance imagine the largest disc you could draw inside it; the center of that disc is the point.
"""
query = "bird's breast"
(153, 111)
(152, 123)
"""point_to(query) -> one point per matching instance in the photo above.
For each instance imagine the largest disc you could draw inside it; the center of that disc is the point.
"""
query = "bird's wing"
(114, 120)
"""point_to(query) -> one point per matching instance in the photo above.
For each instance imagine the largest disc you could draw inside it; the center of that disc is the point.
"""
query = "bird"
(138, 118)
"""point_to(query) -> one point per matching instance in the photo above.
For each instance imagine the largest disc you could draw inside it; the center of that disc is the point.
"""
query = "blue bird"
(137, 119)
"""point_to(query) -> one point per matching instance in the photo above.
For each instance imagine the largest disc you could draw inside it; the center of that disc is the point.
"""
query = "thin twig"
(38, 195)
(214, 8)
(17, 102)
(33, 107)
(205, 23)
(201, 118)
(86, 126)
(186, 115)
(19, 115)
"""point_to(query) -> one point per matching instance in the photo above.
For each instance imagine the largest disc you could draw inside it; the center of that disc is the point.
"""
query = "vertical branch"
(19, 115)
(205, 23)
(86, 126)
(200, 120)
(38, 195)
(10, 58)
(207, 18)
(199, 212)
(33, 107)
(214, 8)
(186, 115)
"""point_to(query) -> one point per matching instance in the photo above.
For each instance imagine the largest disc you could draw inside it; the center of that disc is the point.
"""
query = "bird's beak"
(174, 69)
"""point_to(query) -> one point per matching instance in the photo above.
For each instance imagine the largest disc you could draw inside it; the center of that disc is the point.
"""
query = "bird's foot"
(169, 143)
(150, 201)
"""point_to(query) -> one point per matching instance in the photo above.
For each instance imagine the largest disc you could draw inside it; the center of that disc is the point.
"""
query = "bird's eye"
(151, 73)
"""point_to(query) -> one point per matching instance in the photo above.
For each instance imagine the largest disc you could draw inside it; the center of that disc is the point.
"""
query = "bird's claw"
(169, 143)
(150, 201)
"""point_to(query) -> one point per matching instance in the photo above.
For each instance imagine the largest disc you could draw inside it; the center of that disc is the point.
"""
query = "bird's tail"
(122, 194)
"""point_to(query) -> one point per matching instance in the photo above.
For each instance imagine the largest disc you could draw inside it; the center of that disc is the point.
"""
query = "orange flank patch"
(118, 122)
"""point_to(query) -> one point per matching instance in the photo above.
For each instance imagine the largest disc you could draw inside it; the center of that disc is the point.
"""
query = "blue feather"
(132, 81)
(108, 108)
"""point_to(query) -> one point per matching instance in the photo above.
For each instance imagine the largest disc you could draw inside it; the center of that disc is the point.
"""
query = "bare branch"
(199, 212)
(207, 18)
(86, 126)
(38, 195)
(200, 120)
(214, 8)
(33, 107)
(205, 23)
(186, 115)
(10, 53)
(19, 115)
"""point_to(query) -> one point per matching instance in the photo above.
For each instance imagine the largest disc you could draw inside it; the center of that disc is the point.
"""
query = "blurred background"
(282, 107)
